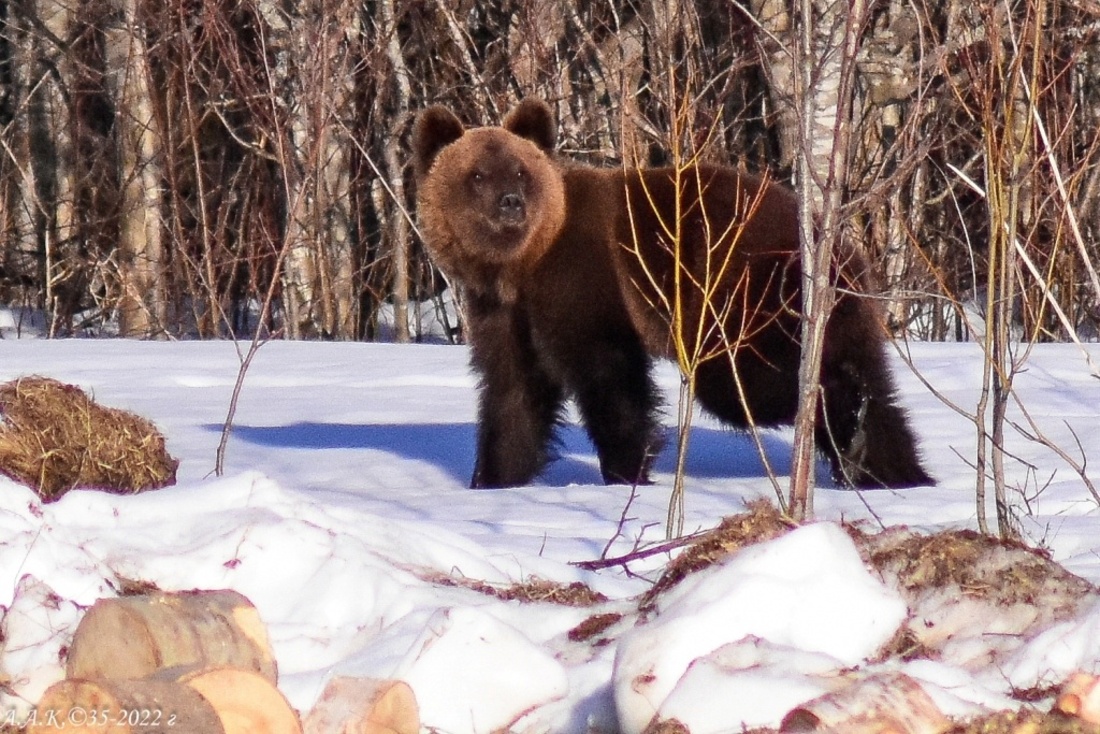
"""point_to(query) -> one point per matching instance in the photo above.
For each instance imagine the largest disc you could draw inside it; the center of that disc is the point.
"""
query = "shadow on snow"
(712, 453)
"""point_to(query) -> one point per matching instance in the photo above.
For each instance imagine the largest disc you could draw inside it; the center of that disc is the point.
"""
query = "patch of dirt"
(906, 646)
(54, 438)
(667, 726)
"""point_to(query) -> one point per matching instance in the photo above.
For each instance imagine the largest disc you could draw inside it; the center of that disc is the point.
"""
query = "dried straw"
(54, 437)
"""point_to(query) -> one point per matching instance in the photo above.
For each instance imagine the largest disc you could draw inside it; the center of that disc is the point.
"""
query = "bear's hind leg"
(861, 429)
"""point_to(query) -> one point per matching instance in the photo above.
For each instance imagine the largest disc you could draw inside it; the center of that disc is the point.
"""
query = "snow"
(344, 503)
(808, 590)
(756, 682)
(1053, 656)
(459, 655)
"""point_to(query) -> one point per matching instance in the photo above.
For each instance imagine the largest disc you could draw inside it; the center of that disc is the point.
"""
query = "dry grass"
(595, 625)
(958, 584)
(54, 438)
(134, 587)
(905, 645)
(1025, 721)
(1018, 586)
(1002, 571)
(667, 726)
(575, 594)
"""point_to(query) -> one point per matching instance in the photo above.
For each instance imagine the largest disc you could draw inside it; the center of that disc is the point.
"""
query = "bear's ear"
(533, 120)
(435, 129)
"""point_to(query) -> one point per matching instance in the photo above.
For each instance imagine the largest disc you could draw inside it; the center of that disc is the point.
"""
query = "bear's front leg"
(618, 403)
(519, 404)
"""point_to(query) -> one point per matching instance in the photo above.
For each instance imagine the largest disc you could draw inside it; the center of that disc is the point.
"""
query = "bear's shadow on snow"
(713, 453)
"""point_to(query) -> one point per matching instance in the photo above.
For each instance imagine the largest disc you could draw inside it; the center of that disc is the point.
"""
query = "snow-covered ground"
(344, 501)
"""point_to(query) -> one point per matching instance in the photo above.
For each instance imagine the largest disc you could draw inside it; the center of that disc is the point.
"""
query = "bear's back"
(736, 243)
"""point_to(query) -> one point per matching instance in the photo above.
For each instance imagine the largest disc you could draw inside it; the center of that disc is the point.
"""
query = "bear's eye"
(477, 176)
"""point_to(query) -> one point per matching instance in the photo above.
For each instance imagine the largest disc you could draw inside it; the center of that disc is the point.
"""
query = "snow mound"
(473, 673)
(807, 591)
(1055, 654)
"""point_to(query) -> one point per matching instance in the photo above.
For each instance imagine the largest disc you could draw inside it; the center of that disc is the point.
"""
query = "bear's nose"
(511, 207)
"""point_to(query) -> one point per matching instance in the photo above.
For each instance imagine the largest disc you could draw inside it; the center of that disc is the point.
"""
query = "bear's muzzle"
(511, 209)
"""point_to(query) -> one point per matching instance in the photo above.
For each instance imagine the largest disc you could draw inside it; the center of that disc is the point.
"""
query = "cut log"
(124, 707)
(245, 701)
(364, 706)
(889, 703)
(131, 637)
(1080, 697)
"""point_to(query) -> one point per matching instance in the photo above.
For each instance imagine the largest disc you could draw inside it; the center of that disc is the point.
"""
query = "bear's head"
(491, 199)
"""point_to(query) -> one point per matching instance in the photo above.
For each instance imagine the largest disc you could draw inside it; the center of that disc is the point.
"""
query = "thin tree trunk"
(777, 49)
(299, 273)
(51, 149)
(826, 97)
(21, 188)
(398, 226)
(142, 300)
(803, 480)
(335, 196)
(319, 290)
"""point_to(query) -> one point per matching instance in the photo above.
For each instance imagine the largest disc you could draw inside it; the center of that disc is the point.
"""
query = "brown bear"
(576, 277)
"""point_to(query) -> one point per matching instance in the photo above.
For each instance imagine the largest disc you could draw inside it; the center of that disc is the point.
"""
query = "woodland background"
(212, 168)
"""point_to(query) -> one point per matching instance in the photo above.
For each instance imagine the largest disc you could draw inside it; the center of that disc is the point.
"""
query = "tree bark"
(398, 226)
(142, 298)
(826, 57)
(49, 191)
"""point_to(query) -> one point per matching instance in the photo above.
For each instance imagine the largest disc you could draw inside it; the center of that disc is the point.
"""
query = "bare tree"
(142, 297)
(43, 152)
(395, 171)
(312, 48)
(825, 55)
(98, 170)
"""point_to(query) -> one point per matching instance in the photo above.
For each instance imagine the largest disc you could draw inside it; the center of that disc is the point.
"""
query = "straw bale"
(53, 438)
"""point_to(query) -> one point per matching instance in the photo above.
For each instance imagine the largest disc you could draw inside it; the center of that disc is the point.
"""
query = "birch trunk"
(398, 226)
(298, 274)
(777, 50)
(826, 53)
(313, 68)
(327, 95)
(142, 297)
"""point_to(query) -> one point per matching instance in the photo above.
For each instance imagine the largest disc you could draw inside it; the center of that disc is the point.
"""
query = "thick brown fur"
(569, 273)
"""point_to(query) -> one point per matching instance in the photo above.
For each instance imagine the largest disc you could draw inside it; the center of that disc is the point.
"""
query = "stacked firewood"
(200, 662)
